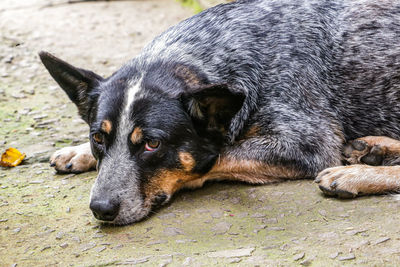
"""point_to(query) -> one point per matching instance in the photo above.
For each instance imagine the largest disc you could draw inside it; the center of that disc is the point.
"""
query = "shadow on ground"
(45, 219)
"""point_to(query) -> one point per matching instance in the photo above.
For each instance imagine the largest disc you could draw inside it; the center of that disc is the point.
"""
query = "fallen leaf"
(11, 158)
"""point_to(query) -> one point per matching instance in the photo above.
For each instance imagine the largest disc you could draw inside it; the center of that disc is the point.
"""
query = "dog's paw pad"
(74, 159)
(375, 156)
(354, 150)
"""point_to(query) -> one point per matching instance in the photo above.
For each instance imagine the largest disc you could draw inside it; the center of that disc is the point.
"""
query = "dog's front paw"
(355, 180)
(73, 159)
(343, 181)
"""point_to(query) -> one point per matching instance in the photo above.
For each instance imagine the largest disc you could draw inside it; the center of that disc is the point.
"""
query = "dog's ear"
(213, 106)
(76, 82)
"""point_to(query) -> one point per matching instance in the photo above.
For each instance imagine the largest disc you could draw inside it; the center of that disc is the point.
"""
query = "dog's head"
(151, 132)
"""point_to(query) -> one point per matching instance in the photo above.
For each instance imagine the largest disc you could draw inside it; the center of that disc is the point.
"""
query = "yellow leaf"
(11, 158)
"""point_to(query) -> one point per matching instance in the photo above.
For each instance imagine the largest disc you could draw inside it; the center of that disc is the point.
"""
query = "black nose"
(104, 209)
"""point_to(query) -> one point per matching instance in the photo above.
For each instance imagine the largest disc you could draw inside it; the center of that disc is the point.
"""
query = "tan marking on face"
(106, 126)
(137, 136)
(168, 181)
(187, 161)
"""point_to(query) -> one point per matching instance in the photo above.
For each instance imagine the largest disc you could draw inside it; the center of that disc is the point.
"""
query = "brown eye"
(152, 145)
(98, 138)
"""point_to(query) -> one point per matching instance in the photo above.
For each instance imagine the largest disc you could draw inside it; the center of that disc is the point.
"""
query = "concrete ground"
(45, 219)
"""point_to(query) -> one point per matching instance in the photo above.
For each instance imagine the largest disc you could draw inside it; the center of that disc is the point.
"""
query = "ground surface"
(45, 219)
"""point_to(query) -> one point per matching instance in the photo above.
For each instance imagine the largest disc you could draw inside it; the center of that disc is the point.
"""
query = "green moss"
(193, 4)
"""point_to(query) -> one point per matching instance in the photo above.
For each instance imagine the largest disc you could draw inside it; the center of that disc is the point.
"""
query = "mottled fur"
(270, 89)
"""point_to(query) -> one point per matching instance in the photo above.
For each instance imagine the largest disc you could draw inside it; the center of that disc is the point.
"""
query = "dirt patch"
(45, 219)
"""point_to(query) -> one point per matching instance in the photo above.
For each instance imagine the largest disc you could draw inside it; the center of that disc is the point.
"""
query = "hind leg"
(355, 180)
(373, 150)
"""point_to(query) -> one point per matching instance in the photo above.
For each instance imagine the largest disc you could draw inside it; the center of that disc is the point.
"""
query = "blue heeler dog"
(254, 91)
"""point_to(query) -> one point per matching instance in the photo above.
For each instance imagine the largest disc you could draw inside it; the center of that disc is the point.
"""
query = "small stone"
(299, 256)
(100, 249)
(180, 241)
(381, 240)
(217, 214)
(24, 111)
(221, 228)
(242, 215)
(350, 256)
(270, 221)
(3, 220)
(76, 238)
(328, 235)
(135, 261)
(235, 200)
(88, 246)
(64, 245)
(165, 262)
(9, 59)
(18, 95)
(39, 117)
(306, 262)
(36, 182)
(17, 230)
(29, 91)
(202, 211)
(188, 261)
(59, 235)
(172, 231)
(46, 247)
(354, 232)
(68, 210)
(334, 255)
(98, 235)
(244, 252)
(322, 212)
(234, 260)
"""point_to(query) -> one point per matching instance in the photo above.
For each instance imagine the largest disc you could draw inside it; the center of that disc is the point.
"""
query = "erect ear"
(213, 106)
(77, 83)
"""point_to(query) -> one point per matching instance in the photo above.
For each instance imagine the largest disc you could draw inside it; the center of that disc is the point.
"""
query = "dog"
(252, 91)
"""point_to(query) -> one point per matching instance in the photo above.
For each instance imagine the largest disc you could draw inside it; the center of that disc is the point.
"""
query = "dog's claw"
(333, 184)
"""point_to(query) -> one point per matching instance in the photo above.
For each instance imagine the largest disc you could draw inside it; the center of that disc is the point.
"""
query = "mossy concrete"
(45, 219)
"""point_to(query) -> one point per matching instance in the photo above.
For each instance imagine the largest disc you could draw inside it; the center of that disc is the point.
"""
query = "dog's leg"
(355, 180)
(73, 159)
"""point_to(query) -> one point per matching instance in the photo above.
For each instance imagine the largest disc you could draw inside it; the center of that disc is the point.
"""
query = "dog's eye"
(152, 145)
(98, 138)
